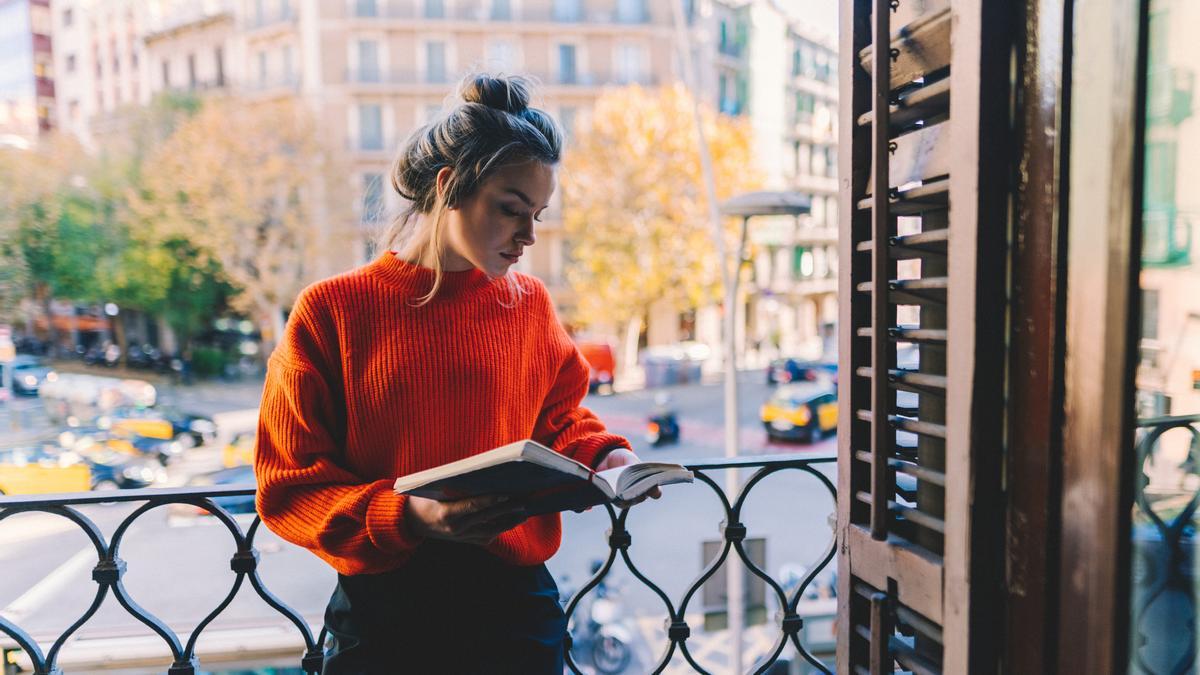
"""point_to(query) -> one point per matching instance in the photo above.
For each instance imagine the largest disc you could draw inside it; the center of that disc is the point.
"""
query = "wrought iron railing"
(1165, 551)
(110, 568)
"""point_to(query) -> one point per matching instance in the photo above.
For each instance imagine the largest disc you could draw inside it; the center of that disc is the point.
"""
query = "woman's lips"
(511, 256)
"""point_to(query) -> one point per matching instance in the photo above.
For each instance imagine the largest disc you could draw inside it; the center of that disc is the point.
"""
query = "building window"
(372, 197)
(166, 74)
(260, 12)
(70, 63)
(803, 263)
(116, 65)
(68, 17)
(289, 75)
(501, 10)
(806, 104)
(822, 65)
(435, 62)
(191, 61)
(285, 9)
(632, 11)
(133, 60)
(631, 64)
(262, 69)
(368, 61)
(567, 70)
(370, 126)
(568, 10)
(219, 60)
(435, 9)
(366, 8)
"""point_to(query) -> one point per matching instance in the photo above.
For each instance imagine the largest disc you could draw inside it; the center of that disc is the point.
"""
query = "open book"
(544, 480)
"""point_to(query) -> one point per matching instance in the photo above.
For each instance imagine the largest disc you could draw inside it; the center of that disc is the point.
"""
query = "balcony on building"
(1167, 236)
(190, 16)
(263, 16)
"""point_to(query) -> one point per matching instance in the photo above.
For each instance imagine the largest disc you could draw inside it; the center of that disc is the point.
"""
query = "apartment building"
(99, 62)
(27, 86)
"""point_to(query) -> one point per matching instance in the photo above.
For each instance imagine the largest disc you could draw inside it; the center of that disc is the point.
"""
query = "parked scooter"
(600, 628)
(663, 426)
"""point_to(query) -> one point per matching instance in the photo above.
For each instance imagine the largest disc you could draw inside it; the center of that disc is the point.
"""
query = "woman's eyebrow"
(518, 193)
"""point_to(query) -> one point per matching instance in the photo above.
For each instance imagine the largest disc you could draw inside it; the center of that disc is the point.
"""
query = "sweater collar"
(418, 280)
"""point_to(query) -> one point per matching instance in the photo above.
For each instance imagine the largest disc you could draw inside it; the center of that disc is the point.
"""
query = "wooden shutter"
(924, 175)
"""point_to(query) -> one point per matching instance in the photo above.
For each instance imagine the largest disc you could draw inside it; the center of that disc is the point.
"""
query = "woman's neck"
(418, 251)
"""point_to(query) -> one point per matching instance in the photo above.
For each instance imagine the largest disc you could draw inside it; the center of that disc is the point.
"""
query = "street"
(178, 568)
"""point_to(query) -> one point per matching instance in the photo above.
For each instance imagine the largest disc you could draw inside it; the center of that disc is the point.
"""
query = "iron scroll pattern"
(110, 568)
(734, 531)
(1165, 553)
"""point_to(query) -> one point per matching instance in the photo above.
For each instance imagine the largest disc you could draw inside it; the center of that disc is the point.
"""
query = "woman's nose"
(525, 236)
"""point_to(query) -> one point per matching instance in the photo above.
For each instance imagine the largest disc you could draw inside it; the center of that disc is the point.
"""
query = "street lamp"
(744, 206)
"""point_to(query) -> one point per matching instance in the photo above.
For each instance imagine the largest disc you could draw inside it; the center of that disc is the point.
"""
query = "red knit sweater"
(365, 387)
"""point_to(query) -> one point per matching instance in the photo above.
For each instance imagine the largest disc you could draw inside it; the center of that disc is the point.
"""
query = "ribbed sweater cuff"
(385, 523)
(590, 449)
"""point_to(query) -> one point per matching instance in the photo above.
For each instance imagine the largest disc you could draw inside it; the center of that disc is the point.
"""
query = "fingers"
(472, 519)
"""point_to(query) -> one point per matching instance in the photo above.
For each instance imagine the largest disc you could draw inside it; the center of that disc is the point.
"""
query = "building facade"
(27, 82)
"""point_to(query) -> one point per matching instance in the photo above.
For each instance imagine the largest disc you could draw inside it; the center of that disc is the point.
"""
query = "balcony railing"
(1165, 547)
(110, 568)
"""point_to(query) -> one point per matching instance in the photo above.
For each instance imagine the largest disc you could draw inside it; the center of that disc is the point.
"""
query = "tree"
(38, 230)
(635, 210)
(237, 180)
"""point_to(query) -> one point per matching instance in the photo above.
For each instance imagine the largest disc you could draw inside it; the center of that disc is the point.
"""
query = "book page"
(633, 480)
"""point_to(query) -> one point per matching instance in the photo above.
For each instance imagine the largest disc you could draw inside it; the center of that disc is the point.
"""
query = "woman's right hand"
(476, 520)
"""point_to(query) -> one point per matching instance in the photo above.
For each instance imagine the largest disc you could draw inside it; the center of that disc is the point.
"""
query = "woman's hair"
(490, 126)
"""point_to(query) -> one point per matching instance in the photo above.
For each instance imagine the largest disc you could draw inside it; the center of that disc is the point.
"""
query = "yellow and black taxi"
(32, 470)
(802, 412)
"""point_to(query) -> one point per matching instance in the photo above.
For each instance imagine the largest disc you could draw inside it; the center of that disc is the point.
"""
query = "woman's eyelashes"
(513, 213)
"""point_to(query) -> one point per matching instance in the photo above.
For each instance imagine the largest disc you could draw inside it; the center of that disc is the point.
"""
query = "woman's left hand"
(620, 457)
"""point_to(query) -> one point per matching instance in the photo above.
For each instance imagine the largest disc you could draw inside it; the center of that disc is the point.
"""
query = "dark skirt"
(452, 609)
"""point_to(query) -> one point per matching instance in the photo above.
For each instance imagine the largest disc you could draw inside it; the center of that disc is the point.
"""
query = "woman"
(434, 352)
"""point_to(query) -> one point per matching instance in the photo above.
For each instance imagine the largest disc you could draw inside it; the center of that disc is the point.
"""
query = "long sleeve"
(567, 427)
(305, 494)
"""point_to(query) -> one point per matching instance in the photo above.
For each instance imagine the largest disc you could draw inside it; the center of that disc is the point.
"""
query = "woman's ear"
(442, 181)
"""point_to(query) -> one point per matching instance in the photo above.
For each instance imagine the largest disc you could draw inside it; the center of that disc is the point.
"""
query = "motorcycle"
(600, 628)
(663, 426)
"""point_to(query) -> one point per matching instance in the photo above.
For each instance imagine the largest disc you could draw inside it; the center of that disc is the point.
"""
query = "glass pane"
(366, 8)
(435, 62)
(370, 127)
(1166, 548)
(368, 61)
(566, 64)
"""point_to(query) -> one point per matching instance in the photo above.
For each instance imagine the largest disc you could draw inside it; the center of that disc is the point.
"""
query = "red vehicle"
(601, 362)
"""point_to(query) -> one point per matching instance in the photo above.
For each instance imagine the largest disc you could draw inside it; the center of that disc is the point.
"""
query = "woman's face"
(491, 228)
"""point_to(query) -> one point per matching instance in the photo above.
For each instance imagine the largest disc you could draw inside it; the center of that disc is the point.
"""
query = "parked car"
(29, 373)
(86, 439)
(30, 470)
(804, 412)
(163, 422)
(239, 475)
(602, 365)
(788, 369)
(112, 470)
